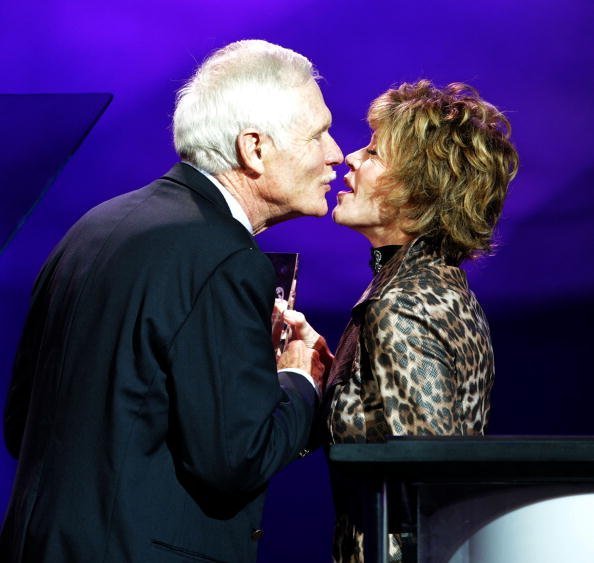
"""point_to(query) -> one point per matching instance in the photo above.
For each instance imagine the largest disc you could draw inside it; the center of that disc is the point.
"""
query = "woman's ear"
(249, 150)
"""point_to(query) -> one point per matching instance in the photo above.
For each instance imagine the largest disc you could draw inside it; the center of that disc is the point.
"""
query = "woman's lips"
(342, 194)
(349, 189)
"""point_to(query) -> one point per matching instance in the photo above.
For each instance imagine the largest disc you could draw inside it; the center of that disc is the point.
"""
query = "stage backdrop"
(533, 59)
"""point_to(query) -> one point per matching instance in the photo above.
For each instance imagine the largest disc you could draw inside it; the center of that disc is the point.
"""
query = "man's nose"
(335, 155)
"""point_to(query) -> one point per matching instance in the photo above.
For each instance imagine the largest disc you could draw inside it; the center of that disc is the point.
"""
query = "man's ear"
(249, 149)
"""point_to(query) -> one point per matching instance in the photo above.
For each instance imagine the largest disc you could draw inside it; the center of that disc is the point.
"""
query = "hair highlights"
(449, 162)
(250, 83)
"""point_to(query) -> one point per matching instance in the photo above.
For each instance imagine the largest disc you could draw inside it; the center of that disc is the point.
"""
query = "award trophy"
(285, 265)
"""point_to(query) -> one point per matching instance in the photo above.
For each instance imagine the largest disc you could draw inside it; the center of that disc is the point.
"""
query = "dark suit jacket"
(145, 408)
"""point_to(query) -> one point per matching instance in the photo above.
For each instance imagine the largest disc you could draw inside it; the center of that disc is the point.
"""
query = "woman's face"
(360, 206)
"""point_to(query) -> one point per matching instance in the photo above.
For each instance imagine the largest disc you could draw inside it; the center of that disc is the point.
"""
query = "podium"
(438, 491)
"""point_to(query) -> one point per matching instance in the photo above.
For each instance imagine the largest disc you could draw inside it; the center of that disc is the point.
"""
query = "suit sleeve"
(235, 426)
(19, 395)
(412, 365)
(25, 364)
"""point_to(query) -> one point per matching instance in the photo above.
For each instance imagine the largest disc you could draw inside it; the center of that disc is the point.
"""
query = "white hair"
(250, 83)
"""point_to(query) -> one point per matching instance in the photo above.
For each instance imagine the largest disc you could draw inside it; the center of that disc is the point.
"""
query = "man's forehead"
(315, 110)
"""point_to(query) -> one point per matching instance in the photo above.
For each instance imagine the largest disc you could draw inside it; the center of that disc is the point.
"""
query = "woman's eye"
(372, 152)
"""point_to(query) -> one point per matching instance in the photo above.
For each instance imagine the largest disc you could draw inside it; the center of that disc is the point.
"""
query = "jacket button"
(257, 534)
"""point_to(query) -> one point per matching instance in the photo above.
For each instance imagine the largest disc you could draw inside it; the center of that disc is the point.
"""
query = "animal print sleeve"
(412, 364)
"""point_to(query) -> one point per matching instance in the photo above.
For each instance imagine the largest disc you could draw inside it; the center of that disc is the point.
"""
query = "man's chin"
(320, 210)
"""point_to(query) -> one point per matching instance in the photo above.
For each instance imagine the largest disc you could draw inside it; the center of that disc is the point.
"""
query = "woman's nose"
(353, 160)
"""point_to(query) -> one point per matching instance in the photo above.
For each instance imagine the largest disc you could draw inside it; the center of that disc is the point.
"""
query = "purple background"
(533, 59)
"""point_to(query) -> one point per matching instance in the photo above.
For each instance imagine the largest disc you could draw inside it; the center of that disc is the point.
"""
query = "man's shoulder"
(163, 224)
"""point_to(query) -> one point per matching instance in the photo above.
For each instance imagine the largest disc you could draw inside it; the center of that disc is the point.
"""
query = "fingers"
(280, 306)
(318, 370)
(301, 329)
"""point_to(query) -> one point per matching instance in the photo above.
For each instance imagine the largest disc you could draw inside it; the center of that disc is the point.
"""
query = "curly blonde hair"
(449, 154)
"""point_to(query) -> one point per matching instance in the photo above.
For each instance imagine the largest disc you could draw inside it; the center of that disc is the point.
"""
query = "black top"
(381, 254)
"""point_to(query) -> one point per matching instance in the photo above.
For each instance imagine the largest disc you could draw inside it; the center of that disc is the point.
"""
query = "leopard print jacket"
(416, 358)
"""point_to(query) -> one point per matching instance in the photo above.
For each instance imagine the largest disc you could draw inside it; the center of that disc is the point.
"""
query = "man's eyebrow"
(327, 124)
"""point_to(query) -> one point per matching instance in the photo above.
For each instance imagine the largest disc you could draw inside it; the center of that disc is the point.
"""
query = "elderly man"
(145, 409)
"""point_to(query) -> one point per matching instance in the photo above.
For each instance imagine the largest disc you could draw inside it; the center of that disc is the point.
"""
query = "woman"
(416, 357)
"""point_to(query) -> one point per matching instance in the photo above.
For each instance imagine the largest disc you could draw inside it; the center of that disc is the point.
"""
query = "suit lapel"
(187, 176)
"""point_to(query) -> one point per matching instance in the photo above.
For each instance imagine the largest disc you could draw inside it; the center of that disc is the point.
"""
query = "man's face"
(299, 174)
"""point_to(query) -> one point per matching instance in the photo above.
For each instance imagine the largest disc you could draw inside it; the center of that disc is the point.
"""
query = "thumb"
(301, 329)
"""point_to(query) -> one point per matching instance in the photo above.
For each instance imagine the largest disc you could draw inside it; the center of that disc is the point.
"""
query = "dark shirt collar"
(381, 255)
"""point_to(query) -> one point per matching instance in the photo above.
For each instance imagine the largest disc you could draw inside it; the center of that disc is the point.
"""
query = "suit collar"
(188, 176)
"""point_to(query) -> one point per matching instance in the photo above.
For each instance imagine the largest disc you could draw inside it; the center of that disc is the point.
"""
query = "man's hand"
(298, 356)
(302, 330)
